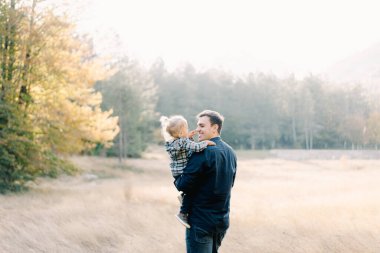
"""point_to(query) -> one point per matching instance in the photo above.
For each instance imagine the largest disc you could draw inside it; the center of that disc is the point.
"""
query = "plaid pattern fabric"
(180, 151)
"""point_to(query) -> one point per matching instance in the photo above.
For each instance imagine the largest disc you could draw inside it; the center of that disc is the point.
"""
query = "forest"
(261, 111)
(59, 97)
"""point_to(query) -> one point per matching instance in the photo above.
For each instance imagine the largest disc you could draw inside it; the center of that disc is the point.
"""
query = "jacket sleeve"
(234, 175)
(189, 179)
(195, 146)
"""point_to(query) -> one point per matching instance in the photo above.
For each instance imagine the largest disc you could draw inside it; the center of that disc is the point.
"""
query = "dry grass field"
(295, 206)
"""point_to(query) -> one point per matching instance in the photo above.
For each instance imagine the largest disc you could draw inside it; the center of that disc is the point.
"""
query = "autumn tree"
(49, 106)
(66, 110)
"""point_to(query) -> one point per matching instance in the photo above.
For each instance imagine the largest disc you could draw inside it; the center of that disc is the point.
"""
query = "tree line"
(262, 111)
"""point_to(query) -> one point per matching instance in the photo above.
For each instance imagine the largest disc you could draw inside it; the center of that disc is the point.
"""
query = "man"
(208, 179)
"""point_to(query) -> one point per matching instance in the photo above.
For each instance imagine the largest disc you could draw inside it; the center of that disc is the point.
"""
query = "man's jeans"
(201, 241)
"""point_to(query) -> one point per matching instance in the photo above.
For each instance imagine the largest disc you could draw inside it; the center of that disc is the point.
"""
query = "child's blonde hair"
(172, 127)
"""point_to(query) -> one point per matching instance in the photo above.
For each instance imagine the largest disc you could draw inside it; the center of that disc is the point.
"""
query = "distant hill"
(362, 67)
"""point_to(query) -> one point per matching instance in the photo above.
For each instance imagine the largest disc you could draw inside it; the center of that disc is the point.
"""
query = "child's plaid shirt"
(180, 151)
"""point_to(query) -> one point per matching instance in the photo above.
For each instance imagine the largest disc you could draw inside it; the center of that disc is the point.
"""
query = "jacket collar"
(216, 139)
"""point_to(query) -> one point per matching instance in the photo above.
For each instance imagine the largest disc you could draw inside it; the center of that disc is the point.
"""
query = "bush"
(53, 166)
(18, 152)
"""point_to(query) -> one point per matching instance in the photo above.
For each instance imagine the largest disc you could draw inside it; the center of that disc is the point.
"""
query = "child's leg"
(180, 197)
(182, 216)
(185, 207)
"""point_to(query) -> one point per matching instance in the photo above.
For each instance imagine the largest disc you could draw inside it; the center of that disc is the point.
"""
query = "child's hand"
(210, 143)
(191, 133)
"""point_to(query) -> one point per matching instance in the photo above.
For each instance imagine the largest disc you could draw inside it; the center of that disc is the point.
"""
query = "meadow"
(278, 205)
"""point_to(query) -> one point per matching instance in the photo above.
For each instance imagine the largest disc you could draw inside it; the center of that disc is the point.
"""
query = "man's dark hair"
(215, 118)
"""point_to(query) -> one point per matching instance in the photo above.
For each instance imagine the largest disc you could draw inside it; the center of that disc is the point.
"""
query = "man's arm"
(235, 166)
(189, 180)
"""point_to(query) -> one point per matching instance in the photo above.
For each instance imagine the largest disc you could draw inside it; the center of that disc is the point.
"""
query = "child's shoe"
(182, 217)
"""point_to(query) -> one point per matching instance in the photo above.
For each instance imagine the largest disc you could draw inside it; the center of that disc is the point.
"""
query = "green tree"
(131, 93)
(19, 154)
(372, 131)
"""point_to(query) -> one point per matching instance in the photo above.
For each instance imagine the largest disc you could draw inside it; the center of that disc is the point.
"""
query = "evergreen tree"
(131, 93)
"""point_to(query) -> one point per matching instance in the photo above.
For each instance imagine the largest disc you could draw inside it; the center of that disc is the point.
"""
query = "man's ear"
(215, 128)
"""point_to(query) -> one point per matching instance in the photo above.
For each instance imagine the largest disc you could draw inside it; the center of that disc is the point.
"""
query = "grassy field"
(277, 206)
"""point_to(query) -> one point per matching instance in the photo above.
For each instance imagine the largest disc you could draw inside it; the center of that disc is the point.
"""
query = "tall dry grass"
(277, 206)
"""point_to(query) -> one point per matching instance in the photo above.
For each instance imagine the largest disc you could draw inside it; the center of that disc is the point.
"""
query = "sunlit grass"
(277, 206)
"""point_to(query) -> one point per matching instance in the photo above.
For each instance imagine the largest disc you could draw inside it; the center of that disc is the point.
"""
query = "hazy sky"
(281, 36)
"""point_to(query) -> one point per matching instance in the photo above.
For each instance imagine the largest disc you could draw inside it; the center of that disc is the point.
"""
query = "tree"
(131, 93)
(355, 111)
(19, 154)
(66, 109)
(353, 129)
(46, 90)
(372, 131)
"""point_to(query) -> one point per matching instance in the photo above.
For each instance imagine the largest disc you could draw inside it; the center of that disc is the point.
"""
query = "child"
(180, 146)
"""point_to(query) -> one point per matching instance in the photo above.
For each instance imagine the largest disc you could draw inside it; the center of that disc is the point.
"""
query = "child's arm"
(197, 146)
(210, 143)
(191, 134)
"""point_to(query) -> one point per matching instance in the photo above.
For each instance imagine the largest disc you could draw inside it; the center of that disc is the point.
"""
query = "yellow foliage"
(66, 110)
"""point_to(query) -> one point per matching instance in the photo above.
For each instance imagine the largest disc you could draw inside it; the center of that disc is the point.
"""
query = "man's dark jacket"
(207, 180)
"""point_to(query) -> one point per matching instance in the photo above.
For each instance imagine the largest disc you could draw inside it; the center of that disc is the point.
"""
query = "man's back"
(208, 179)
